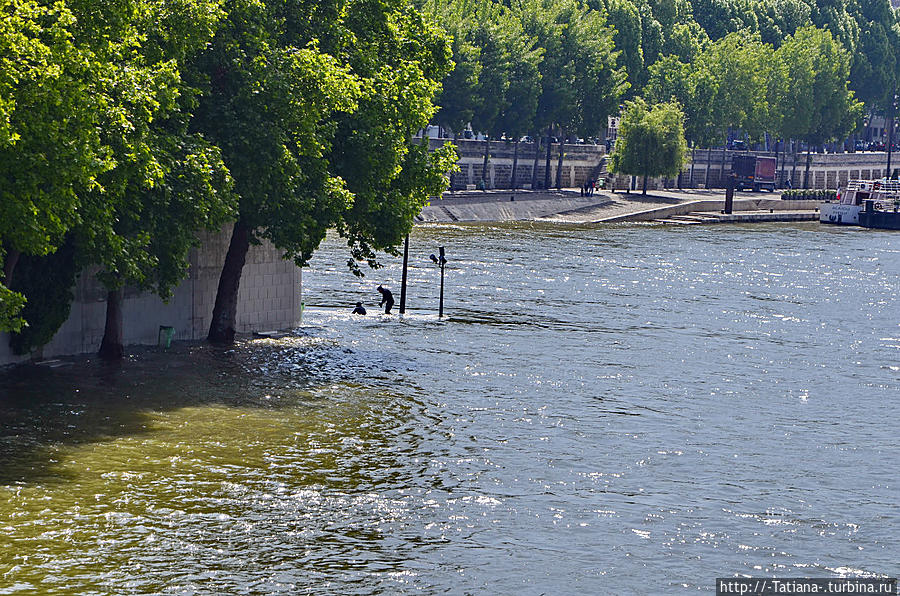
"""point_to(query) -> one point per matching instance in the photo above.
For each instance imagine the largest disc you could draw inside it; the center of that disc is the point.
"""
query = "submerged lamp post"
(403, 282)
(440, 261)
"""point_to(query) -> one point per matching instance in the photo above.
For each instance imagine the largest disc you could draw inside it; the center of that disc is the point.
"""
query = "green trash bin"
(165, 336)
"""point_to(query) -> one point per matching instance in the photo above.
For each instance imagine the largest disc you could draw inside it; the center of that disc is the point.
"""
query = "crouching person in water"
(387, 300)
(359, 310)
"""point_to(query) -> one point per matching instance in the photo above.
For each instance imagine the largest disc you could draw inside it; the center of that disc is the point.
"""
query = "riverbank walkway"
(676, 207)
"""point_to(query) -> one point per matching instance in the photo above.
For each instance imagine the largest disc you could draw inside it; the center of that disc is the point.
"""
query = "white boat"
(851, 200)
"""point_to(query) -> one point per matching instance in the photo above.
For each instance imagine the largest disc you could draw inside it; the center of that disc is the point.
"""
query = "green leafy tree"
(669, 80)
(730, 89)
(776, 19)
(297, 94)
(270, 92)
(686, 41)
(835, 15)
(721, 17)
(580, 81)
(390, 177)
(652, 41)
(816, 104)
(651, 141)
(520, 100)
(875, 65)
(458, 95)
(49, 146)
(495, 58)
(166, 183)
(624, 18)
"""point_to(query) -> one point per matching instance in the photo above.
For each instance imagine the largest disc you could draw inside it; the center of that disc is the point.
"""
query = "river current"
(630, 409)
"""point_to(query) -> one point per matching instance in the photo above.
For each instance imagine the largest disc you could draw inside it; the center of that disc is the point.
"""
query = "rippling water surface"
(623, 410)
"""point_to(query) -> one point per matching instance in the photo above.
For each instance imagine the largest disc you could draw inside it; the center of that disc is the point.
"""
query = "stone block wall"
(580, 163)
(827, 170)
(268, 299)
(583, 162)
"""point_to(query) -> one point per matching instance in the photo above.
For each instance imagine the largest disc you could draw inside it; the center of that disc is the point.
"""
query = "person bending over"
(387, 299)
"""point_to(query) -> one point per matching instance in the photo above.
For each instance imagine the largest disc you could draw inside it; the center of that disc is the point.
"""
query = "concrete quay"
(568, 206)
(506, 205)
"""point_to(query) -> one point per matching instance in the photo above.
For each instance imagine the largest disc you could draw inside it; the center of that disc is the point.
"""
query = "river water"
(626, 409)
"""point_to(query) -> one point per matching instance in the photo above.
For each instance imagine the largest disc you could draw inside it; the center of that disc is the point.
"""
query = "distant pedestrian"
(593, 186)
(387, 299)
(359, 310)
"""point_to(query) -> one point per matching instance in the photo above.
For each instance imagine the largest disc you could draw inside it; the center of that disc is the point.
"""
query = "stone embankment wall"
(580, 163)
(827, 170)
(269, 299)
(583, 162)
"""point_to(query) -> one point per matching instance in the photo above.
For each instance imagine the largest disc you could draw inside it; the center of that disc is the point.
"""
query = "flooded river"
(619, 410)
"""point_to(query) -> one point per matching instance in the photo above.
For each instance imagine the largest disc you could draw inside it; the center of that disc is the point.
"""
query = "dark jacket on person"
(387, 299)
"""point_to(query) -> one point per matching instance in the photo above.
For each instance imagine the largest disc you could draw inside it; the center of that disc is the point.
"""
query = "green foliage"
(625, 20)
(718, 18)
(580, 81)
(389, 177)
(730, 88)
(11, 304)
(520, 101)
(875, 65)
(166, 183)
(651, 140)
(458, 95)
(814, 102)
(48, 281)
(809, 194)
(669, 80)
(779, 18)
(271, 91)
(49, 144)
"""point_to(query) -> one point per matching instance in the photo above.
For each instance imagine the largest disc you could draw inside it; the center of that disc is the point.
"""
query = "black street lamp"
(403, 280)
(441, 262)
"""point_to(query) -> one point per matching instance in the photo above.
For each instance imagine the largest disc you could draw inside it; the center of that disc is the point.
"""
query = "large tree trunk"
(644, 185)
(547, 170)
(484, 166)
(708, 167)
(783, 158)
(222, 327)
(512, 180)
(12, 257)
(537, 158)
(559, 160)
(722, 167)
(794, 165)
(808, 162)
(693, 159)
(111, 347)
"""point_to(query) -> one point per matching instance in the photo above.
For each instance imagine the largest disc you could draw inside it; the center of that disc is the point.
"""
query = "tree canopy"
(126, 128)
(651, 141)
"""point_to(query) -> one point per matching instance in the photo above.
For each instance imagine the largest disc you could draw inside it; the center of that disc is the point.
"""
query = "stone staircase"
(601, 172)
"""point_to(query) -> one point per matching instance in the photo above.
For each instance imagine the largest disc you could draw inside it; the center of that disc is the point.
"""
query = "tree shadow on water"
(87, 400)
